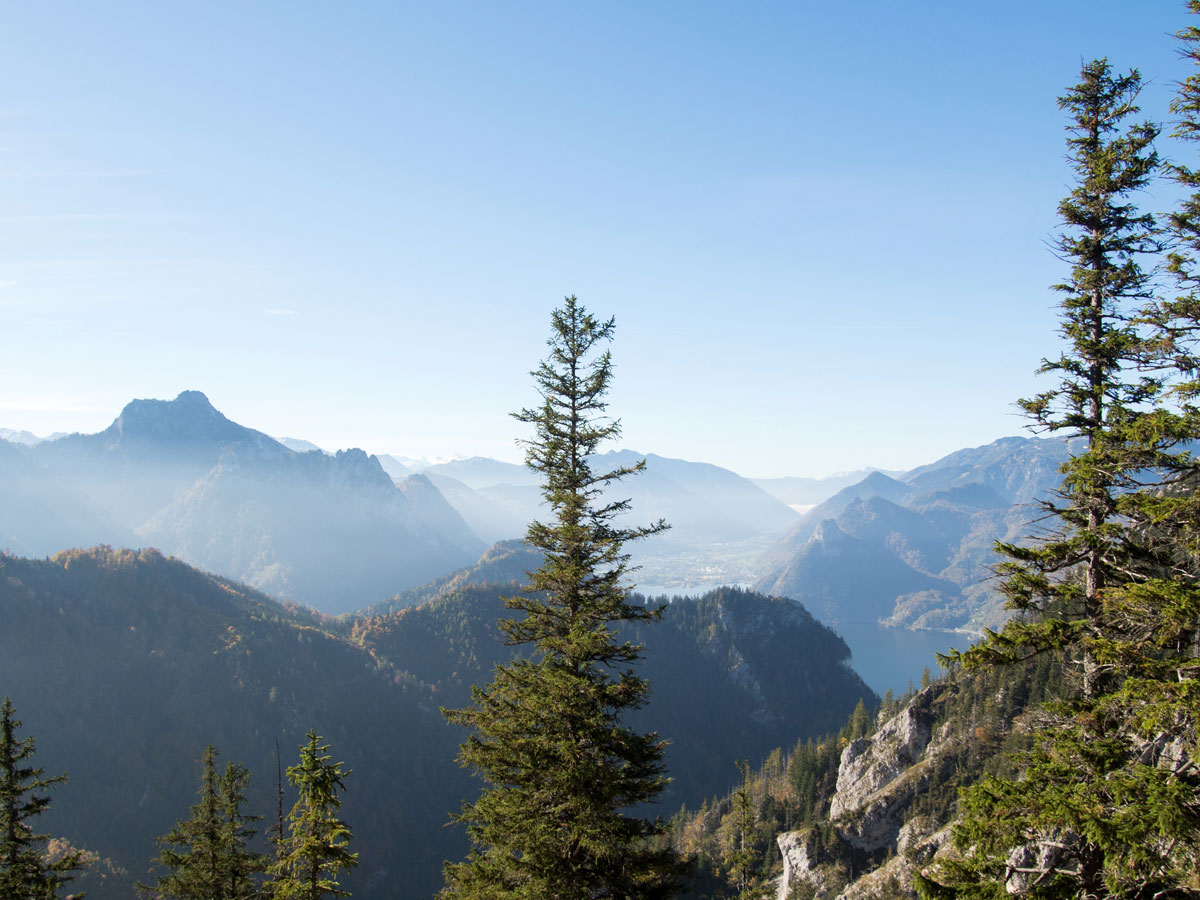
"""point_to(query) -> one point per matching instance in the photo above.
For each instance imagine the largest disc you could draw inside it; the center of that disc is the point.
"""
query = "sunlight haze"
(822, 229)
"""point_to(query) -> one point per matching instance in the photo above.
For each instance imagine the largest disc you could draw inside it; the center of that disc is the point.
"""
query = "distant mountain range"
(702, 503)
(300, 446)
(337, 531)
(334, 532)
(715, 514)
(720, 522)
(347, 530)
(803, 493)
(915, 551)
(26, 438)
(124, 665)
(908, 549)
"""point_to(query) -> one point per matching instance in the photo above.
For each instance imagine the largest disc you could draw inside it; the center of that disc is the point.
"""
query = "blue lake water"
(891, 658)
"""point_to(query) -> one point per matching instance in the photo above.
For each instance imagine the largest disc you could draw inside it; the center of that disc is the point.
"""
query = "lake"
(891, 658)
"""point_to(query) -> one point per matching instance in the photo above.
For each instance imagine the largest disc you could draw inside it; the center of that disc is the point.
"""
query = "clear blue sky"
(821, 226)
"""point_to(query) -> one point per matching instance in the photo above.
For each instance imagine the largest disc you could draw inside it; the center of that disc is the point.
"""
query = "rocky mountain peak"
(828, 535)
(362, 466)
(868, 766)
(189, 418)
(417, 482)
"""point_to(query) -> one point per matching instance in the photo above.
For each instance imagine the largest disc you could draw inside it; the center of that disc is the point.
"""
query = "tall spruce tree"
(242, 865)
(316, 849)
(1106, 803)
(742, 857)
(207, 856)
(547, 733)
(25, 874)
(1105, 237)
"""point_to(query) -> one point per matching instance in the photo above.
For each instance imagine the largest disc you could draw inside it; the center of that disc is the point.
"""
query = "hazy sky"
(821, 226)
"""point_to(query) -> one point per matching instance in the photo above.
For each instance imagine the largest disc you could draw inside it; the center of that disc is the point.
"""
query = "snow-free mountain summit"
(334, 532)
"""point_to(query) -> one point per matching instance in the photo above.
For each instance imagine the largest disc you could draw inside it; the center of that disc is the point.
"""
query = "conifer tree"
(317, 846)
(547, 733)
(242, 864)
(860, 722)
(1105, 238)
(206, 856)
(24, 872)
(1106, 803)
(742, 856)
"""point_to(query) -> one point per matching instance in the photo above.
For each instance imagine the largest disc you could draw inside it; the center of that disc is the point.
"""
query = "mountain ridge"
(332, 530)
(925, 538)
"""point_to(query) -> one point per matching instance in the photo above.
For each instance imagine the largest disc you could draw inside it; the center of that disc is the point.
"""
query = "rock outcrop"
(916, 849)
(802, 865)
(880, 776)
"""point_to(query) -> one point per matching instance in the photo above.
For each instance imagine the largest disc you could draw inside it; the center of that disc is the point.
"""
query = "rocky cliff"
(890, 811)
(874, 828)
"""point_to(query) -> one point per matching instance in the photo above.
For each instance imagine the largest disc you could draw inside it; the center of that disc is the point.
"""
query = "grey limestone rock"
(879, 776)
(801, 865)
(920, 839)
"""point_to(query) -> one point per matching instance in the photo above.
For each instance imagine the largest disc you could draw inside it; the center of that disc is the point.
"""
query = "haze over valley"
(344, 531)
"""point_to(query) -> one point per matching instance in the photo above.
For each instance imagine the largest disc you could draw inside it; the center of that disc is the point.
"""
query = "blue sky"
(822, 227)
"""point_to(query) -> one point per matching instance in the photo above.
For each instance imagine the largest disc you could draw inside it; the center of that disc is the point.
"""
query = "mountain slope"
(855, 814)
(764, 667)
(488, 519)
(1016, 468)
(808, 492)
(702, 501)
(876, 484)
(922, 544)
(40, 513)
(333, 531)
(720, 522)
(150, 452)
(481, 471)
(124, 665)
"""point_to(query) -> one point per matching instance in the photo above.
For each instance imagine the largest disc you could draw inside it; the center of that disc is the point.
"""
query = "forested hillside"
(126, 664)
(855, 813)
(733, 667)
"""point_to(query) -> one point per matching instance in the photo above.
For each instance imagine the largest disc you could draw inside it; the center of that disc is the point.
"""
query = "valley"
(891, 561)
